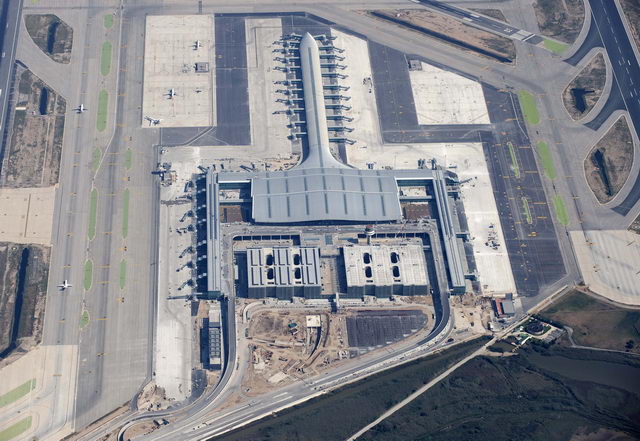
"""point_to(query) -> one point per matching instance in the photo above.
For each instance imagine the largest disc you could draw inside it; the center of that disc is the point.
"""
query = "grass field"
(125, 213)
(105, 58)
(595, 323)
(514, 160)
(531, 396)
(84, 319)
(15, 394)
(561, 210)
(108, 21)
(546, 159)
(123, 273)
(95, 159)
(88, 274)
(12, 432)
(128, 159)
(103, 102)
(93, 214)
(339, 414)
(555, 46)
(529, 108)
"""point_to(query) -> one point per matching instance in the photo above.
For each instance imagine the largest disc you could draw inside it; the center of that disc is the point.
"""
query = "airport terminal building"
(321, 190)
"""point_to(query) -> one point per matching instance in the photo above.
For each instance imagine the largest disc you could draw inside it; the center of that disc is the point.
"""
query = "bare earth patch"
(608, 164)
(560, 19)
(589, 81)
(631, 9)
(454, 29)
(32, 158)
(21, 320)
(52, 35)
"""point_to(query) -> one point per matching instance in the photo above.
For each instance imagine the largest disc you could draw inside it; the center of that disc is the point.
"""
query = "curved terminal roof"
(319, 154)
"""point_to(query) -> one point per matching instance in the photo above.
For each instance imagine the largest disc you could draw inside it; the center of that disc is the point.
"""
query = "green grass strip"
(561, 210)
(527, 211)
(105, 58)
(15, 394)
(93, 214)
(555, 46)
(108, 21)
(529, 108)
(123, 273)
(18, 428)
(128, 159)
(547, 160)
(514, 160)
(95, 159)
(88, 274)
(103, 102)
(84, 319)
(125, 213)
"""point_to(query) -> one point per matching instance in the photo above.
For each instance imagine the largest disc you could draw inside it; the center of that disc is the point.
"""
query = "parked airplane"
(65, 284)
(197, 45)
(171, 93)
(152, 121)
(80, 108)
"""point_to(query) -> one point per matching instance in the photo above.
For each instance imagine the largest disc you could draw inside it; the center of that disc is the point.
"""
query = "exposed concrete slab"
(174, 333)
(26, 215)
(170, 57)
(494, 267)
(53, 367)
(269, 130)
(443, 97)
(366, 130)
(609, 261)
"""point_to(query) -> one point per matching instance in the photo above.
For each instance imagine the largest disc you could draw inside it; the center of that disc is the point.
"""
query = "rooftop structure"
(322, 189)
(383, 270)
(283, 272)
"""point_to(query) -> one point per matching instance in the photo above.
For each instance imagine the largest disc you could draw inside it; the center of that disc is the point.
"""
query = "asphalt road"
(9, 26)
(626, 71)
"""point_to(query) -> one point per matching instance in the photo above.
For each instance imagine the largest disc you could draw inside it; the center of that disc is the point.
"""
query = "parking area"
(374, 329)
(179, 68)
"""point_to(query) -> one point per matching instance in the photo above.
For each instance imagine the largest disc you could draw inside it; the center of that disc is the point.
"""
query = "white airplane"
(152, 121)
(171, 93)
(197, 45)
(65, 284)
(80, 108)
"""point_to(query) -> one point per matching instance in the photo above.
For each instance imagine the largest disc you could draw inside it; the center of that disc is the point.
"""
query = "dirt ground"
(52, 35)
(592, 77)
(33, 155)
(493, 13)
(560, 19)
(631, 9)
(282, 353)
(31, 314)
(453, 28)
(616, 151)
